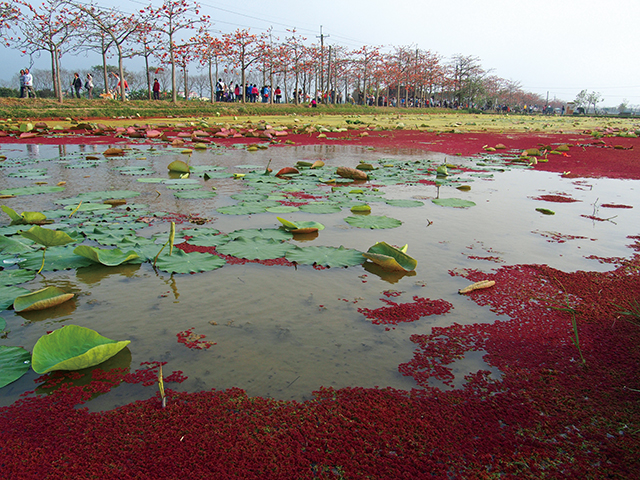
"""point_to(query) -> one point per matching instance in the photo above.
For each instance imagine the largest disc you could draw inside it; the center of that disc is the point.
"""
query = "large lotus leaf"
(390, 257)
(325, 256)
(41, 299)
(255, 248)
(107, 257)
(249, 196)
(47, 237)
(320, 208)
(30, 190)
(112, 236)
(195, 194)
(73, 348)
(283, 209)
(263, 233)
(88, 207)
(181, 262)
(10, 245)
(373, 221)
(404, 203)
(14, 363)
(198, 231)
(210, 240)
(16, 276)
(453, 202)
(184, 186)
(57, 258)
(9, 294)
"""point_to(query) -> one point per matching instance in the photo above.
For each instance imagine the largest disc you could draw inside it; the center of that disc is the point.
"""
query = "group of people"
(26, 84)
(229, 93)
(77, 85)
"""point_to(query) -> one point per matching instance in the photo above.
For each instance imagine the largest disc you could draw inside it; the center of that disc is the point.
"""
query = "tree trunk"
(211, 81)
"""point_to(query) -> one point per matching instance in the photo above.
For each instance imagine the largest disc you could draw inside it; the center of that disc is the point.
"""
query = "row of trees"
(177, 36)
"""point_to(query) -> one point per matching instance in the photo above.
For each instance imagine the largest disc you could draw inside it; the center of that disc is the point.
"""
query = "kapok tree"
(113, 25)
(244, 49)
(51, 27)
(174, 17)
(208, 50)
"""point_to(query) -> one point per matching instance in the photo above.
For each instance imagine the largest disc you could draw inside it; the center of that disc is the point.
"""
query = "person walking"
(278, 94)
(28, 84)
(156, 89)
(76, 84)
(21, 83)
(89, 85)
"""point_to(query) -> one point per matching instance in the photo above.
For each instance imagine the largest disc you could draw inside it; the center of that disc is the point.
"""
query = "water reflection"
(391, 276)
(96, 273)
(83, 377)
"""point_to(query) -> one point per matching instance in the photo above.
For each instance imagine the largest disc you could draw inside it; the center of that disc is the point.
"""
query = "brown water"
(283, 332)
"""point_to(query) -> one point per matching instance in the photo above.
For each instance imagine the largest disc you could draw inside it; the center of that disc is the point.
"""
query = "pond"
(283, 330)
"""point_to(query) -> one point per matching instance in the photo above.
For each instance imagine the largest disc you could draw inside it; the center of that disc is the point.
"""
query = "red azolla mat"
(613, 157)
(548, 416)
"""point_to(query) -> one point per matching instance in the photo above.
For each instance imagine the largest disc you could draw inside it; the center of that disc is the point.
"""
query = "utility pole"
(321, 37)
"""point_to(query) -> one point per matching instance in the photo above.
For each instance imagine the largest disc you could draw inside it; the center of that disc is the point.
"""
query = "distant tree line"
(173, 38)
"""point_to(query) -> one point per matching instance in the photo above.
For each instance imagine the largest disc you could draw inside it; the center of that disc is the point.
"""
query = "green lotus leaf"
(184, 186)
(301, 227)
(14, 363)
(195, 194)
(107, 257)
(262, 233)
(88, 207)
(249, 196)
(198, 231)
(255, 248)
(390, 257)
(453, 202)
(404, 203)
(210, 240)
(73, 348)
(9, 294)
(181, 262)
(16, 276)
(325, 256)
(361, 208)
(10, 245)
(47, 237)
(243, 209)
(3, 324)
(283, 209)
(13, 215)
(178, 166)
(57, 258)
(545, 211)
(31, 190)
(110, 236)
(320, 208)
(373, 221)
(41, 299)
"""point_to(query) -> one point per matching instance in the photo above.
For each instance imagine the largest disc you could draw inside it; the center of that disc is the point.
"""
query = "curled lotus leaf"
(390, 257)
(178, 166)
(14, 363)
(108, 257)
(72, 348)
(47, 237)
(354, 173)
(301, 227)
(41, 299)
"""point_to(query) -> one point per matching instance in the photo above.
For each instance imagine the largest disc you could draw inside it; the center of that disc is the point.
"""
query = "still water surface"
(283, 332)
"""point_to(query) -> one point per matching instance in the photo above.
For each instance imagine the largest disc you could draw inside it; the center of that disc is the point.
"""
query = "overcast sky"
(555, 46)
